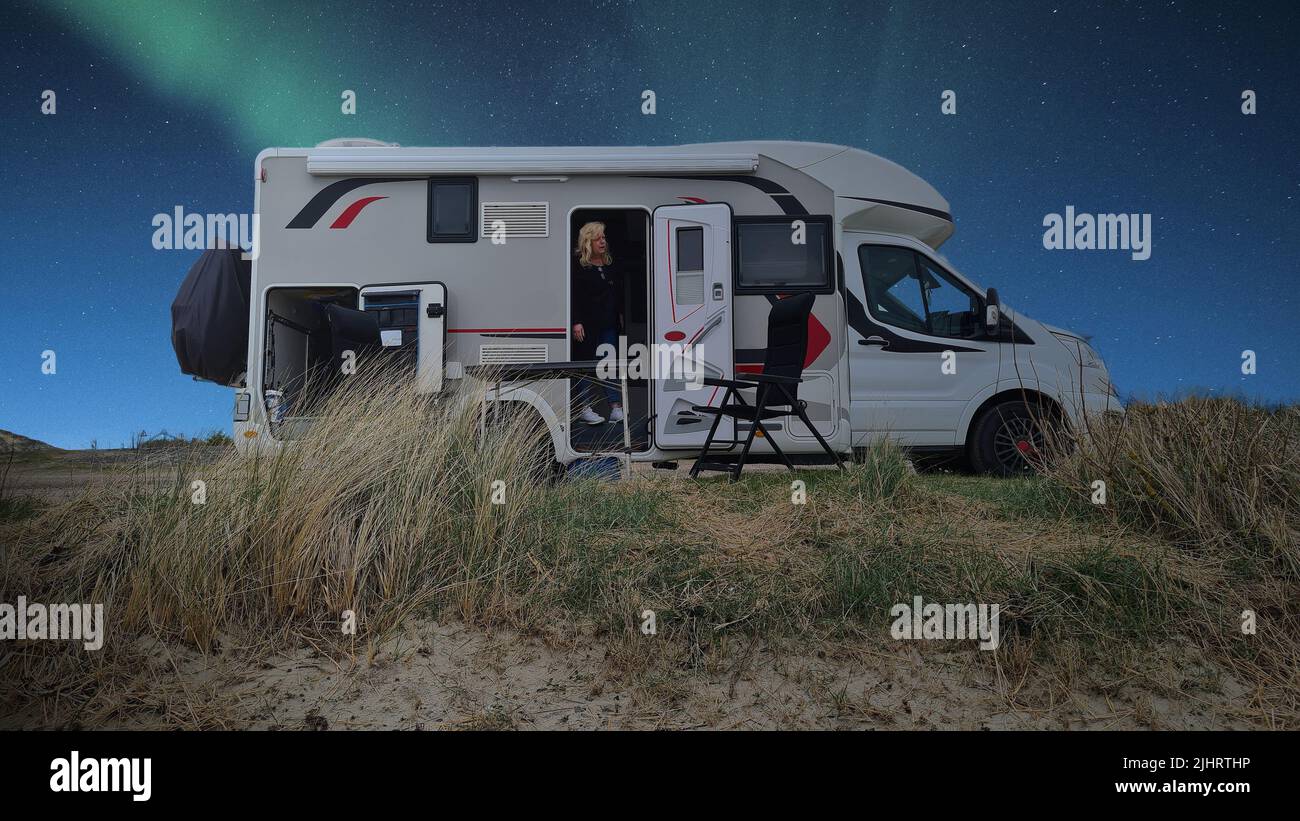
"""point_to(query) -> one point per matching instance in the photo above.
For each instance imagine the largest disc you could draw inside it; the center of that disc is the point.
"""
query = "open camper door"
(412, 319)
(693, 316)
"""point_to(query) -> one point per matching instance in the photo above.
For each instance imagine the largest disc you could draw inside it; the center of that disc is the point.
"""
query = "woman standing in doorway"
(597, 315)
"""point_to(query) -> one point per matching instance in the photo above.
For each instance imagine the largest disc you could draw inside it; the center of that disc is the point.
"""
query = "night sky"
(1108, 107)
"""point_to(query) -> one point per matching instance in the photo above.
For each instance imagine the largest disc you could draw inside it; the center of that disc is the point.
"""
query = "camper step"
(729, 467)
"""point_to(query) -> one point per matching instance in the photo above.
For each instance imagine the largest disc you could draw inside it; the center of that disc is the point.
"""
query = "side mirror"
(992, 312)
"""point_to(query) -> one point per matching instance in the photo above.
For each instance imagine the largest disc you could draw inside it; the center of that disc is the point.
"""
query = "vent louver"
(522, 220)
(512, 354)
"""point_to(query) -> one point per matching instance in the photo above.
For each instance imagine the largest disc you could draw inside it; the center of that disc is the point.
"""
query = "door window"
(905, 289)
(951, 309)
(690, 266)
(893, 293)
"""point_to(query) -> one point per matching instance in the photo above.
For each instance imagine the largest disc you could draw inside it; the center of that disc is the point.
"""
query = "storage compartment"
(818, 390)
(307, 332)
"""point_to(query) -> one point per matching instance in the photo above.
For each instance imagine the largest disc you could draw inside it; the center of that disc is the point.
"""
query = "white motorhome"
(466, 256)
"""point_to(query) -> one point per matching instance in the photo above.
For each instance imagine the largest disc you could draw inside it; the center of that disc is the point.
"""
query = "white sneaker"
(589, 417)
(616, 414)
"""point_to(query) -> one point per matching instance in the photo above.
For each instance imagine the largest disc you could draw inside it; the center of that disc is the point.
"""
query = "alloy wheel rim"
(1019, 444)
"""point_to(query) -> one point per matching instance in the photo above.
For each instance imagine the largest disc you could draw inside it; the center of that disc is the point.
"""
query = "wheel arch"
(1028, 396)
(519, 398)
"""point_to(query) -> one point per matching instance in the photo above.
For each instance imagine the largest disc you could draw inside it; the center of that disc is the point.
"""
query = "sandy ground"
(452, 677)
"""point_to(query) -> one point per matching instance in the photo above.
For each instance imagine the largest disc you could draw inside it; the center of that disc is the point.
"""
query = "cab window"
(907, 290)
(893, 296)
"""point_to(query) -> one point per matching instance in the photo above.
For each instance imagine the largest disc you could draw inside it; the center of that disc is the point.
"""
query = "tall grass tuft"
(1202, 472)
(391, 503)
(1220, 479)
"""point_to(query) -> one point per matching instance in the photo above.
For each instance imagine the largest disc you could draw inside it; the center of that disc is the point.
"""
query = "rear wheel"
(520, 422)
(1012, 439)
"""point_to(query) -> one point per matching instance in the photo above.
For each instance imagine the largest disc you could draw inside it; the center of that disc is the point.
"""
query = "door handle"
(874, 340)
(708, 329)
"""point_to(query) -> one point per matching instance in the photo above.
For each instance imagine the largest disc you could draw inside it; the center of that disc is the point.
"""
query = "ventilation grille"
(690, 289)
(512, 354)
(522, 220)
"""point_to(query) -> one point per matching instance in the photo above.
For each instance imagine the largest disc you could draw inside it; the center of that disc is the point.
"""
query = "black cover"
(210, 317)
(350, 330)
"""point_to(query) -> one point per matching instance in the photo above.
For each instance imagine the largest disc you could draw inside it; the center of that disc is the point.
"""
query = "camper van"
(464, 258)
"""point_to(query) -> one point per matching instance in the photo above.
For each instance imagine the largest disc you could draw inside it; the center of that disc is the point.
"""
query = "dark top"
(597, 297)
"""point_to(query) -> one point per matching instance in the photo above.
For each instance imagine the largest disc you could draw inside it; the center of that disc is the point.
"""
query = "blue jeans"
(590, 390)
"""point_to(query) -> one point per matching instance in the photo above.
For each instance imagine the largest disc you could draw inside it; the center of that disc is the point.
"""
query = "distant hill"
(22, 444)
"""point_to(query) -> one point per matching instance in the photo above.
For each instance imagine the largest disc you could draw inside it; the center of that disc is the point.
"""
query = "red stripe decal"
(818, 339)
(672, 301)
(345, 219)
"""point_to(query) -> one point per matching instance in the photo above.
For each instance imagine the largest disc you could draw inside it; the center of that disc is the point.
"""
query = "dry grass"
(1204, 472)
(1220, 481)
(383, 518)
(386, 509)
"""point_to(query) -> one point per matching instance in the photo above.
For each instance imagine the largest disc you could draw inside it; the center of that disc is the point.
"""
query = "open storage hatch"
(412, 326)
(312, 334)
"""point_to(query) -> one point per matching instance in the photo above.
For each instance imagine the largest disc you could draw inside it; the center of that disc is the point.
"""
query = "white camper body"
(468, 255)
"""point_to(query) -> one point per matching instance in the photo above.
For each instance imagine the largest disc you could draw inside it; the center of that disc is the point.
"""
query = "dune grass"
(394, 505)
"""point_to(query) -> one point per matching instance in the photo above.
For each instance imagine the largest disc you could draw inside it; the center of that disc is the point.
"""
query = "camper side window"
(776, 255)
(453, 209)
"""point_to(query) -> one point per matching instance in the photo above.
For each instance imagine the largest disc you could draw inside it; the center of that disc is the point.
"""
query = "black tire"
(1012, 439)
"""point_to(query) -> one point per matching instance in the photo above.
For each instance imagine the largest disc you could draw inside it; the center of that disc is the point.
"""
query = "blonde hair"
(586, 236)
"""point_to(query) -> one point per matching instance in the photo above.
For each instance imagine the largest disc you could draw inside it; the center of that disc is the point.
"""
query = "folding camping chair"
(777, 389)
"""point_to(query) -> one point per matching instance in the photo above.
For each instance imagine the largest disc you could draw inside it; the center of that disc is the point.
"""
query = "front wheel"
(1012, 439)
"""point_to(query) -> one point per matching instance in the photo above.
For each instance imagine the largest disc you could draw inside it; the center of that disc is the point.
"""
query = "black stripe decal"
(789, 203)
(860, 322)
(934, 212)
(522, 335)
(332, 193)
